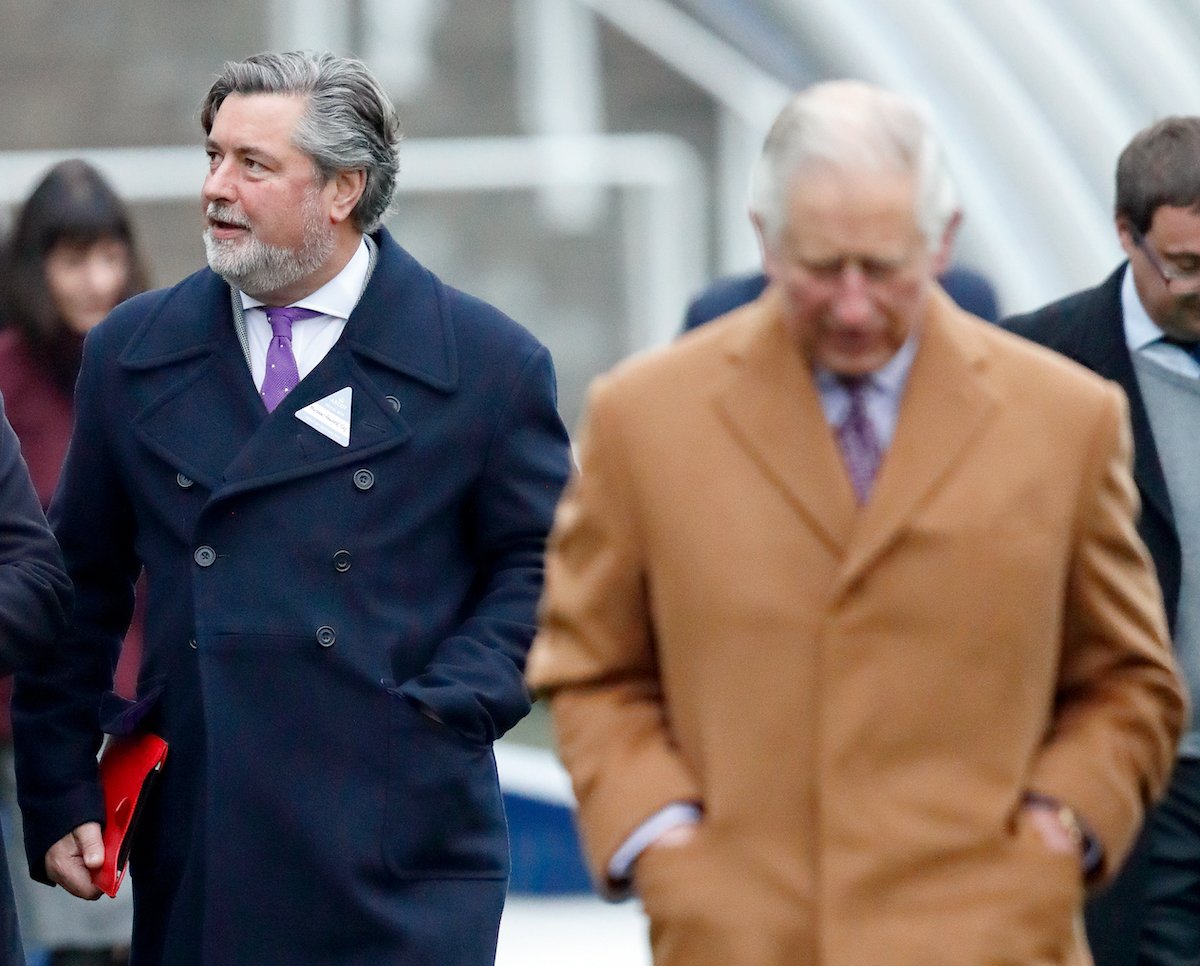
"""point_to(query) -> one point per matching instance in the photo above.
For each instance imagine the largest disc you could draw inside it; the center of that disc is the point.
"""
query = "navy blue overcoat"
(35, 598)
(307, 603)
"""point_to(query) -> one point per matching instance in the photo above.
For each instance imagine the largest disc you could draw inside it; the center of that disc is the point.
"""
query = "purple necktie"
(282, 374)
(861, 450)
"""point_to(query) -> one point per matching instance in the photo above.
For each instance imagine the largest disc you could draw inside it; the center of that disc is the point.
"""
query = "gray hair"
(348, 123)
(851, 124)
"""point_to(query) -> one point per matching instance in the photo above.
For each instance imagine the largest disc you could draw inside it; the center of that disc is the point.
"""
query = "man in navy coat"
(341, 515)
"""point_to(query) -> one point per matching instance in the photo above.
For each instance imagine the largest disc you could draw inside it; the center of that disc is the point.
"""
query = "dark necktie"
(1190, 346)
(861, 449)
(281, 375)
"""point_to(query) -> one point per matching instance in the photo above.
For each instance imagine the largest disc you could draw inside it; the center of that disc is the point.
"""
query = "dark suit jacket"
(40, 413)
(307, 603)
(1089, 327)
(970, 290)
(35, 598)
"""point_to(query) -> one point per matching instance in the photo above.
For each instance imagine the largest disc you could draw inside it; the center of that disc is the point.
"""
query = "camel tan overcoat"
(858, 699)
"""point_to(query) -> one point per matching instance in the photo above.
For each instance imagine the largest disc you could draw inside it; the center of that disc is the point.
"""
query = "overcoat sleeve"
(34, 591)
(475, 681)
(56, 727)
(595, 657)
(1119, 707)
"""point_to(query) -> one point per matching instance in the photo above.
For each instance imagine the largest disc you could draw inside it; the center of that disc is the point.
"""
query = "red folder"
(129, 765)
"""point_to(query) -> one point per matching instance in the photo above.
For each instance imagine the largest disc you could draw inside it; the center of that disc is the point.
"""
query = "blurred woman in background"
(71, 257)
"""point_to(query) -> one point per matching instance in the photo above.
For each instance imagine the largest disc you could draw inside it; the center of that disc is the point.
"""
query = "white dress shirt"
(311, 338)
(1144, 337)
(884, 390)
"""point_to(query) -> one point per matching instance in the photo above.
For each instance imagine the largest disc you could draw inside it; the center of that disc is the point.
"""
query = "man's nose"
(851, 300)
(218, 184)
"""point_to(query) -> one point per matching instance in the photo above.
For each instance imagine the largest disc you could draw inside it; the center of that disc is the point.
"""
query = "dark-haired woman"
(71, 258)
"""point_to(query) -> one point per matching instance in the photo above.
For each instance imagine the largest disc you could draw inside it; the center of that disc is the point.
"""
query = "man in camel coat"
(854, 654)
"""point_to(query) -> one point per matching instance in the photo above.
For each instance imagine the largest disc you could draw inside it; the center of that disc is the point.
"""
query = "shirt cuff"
(677, 813)
(1091, 849)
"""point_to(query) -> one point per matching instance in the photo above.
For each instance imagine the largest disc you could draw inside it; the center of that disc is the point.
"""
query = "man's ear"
(348, 187)
(759, 232)
(945, 249)
(765, 248)
(1125, 235)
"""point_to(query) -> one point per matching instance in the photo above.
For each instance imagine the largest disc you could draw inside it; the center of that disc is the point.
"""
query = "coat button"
(205, 556)
(192, 644)
(341, 561)
(393, 402)
(185, 482)
(326, 635)
(364, 479)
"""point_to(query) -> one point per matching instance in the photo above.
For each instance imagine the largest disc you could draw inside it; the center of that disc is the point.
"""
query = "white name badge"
(330, 416)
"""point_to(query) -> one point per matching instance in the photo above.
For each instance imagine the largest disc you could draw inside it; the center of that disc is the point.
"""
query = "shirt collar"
(889, 379)
(340, 294)
(1140, 329)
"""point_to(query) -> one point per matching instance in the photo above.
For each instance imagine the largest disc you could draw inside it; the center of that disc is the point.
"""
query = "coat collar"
(403, 321)
(771, 405)
(1101, 342)
(946, 403)
(208, 423)
(1101, 346)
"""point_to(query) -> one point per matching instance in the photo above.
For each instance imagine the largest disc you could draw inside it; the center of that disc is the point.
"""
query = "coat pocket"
(444, 815)
(1047, 902)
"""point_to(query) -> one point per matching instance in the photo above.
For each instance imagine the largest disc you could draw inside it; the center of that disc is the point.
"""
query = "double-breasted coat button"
(205, 556)
(393, 402)
(364, 479)
(326, 635)
(341, 561)
(185, 482)
(192, 644)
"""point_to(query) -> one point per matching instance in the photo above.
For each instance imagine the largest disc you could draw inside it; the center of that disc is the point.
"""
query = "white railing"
(748, 98)
(659, 177)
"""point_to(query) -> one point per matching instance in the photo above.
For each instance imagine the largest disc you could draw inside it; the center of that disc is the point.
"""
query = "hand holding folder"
(129, 765)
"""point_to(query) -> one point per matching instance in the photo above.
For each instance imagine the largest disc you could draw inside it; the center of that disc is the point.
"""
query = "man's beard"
(259, 269)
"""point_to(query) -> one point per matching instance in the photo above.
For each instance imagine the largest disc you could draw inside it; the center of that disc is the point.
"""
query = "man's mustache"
(226, 214)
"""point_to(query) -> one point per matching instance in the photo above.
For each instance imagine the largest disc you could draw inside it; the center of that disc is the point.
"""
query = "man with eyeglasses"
(854, 656)
(1141, 329)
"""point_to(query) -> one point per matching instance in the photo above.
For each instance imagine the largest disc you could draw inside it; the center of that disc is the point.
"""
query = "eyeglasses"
(1177, 279)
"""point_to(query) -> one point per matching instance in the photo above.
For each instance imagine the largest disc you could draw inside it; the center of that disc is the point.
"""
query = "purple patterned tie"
(282, 374)
(861, 450)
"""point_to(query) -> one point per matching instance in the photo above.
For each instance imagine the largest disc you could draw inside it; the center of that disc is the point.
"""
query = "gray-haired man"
(853, 654)
(337, 473)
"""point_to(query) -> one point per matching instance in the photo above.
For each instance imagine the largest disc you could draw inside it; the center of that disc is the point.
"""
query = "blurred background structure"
(583, 164)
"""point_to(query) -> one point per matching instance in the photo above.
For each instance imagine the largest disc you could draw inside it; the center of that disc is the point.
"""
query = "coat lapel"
(946, 402)
(209, 407)
(770, 405)
(210, 422)
(285, 448)
(1105, 352)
